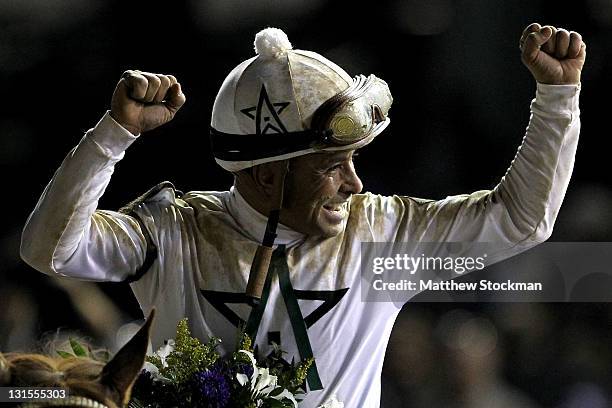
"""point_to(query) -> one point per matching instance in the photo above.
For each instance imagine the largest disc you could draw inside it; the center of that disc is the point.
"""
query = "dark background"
(461, 105)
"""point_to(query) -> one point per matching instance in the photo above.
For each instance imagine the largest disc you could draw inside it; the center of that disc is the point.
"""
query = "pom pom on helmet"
(272, 43)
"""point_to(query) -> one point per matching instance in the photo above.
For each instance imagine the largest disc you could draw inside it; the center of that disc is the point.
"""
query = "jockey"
(287, 124)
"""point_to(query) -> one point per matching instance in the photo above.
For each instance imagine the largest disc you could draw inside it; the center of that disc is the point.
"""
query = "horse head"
(89, 383)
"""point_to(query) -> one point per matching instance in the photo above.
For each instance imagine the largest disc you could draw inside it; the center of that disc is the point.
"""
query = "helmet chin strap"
(263, 255)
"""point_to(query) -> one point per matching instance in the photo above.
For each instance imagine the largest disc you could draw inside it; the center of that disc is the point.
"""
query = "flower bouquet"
(187, 373)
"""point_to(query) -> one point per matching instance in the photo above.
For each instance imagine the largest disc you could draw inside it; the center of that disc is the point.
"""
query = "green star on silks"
(299, 324)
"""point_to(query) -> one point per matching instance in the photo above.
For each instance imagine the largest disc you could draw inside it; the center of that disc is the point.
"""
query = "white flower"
(332, 403)
(154, 371)
(242, 379)
(151, 368)
(263, 383)
(164, 351)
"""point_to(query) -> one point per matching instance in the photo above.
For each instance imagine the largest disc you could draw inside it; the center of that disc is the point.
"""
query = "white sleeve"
(65, 235)
(521, 210)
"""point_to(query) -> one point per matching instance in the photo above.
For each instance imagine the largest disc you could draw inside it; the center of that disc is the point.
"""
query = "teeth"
(334, 207)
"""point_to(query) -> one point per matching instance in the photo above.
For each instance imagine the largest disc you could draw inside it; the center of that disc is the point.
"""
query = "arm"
(65, 234)
(523, 207)
(521, 210)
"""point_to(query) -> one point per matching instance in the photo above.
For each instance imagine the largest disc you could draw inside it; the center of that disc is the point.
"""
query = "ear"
(270, 178)
(5, 371)
(265, 177)
(121, 372)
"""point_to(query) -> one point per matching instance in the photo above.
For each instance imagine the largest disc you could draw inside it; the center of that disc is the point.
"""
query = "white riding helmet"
(285, 103)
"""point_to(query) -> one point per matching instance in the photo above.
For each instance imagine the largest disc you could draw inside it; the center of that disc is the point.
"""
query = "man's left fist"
(553, 55)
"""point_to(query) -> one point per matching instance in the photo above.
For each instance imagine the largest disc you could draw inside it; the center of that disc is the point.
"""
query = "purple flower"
(213, 387)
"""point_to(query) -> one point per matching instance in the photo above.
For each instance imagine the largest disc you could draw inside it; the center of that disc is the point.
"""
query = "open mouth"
(334, 207)
(335, 212)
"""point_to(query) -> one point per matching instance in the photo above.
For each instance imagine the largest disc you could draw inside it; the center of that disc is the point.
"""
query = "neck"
(253, 221)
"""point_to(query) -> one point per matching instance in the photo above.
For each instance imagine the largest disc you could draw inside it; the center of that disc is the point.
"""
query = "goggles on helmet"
(353, 114)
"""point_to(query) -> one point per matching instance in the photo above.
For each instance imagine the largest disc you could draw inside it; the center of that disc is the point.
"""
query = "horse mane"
(88, 382)
(79, 376)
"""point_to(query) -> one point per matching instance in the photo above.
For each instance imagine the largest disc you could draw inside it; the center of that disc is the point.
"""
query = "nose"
(351, 182)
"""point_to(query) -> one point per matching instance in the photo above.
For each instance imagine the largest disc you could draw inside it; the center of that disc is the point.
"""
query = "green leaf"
(100, 355)
(79, 351)
(272, 403)
(276, 391)
(64, 354)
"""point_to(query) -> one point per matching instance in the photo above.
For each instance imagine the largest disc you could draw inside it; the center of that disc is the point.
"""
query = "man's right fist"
(143, 101)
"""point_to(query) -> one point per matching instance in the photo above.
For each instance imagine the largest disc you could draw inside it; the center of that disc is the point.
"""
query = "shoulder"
(165, 194)
(380, 203)
(207, 200)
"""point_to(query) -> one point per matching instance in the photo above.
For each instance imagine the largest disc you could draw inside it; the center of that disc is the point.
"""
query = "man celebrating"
(286, 123)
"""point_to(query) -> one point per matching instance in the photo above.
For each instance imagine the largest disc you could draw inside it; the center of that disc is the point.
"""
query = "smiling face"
(317, 190)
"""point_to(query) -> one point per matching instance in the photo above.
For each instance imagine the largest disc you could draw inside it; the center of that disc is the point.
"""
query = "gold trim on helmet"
(353, 114)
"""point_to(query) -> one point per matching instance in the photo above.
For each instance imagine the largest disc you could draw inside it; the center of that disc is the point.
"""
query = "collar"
(253, 223)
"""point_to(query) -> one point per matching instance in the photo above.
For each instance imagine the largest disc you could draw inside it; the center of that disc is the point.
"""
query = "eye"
(335, 167)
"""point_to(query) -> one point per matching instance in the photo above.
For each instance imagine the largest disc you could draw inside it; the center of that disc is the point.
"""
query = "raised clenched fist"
(143, 101)
(553, 55)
